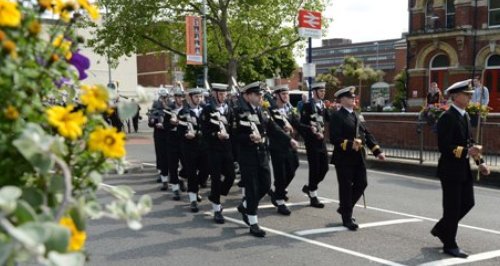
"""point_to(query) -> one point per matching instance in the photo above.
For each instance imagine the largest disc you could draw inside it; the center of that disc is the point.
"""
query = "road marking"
(472, 258)
(320, 244)
(419, 217)
(269, 206)
(149, 164)
(366, 225)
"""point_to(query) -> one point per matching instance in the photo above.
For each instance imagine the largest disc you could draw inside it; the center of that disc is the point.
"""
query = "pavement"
(401, 210)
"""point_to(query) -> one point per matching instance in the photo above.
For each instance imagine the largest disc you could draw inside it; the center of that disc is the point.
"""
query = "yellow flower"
(266, 104)
(91, 9)
(9, 14)
(108, 141)
(35, 27)
(68, 123)
(2, 35)
(10, 48)
(11, 113)
(45, 4)
(77, 238)
(95, 98)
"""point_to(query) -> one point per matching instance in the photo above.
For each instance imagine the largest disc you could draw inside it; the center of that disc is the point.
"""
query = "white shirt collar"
(460, 110)
(350, 110)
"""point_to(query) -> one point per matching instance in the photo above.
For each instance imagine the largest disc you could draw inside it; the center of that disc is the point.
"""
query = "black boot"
(349, 223)
(182, 186)
(273, 197)
(218, 218)
(316, 203)
(177, 195)
(164, 187)
(198, 197)
(256, 231)
(243, 212)
(283, 209)
(352, 218)
(194, 206)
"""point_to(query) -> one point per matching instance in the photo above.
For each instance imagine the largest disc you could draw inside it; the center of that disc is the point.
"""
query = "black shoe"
(177, 195)
(352, 218)
(455, 252)
(285, 198)
(164, 187)
(182, 186)
(256, 231)
(273, 198)
(350, 224)
(316, 203)
(198, 197)
(194, 206)
(243, 212)
(218, 218)
(305, 189)
(203, 185)
(283, 209)
(158, 180)
(437, 234)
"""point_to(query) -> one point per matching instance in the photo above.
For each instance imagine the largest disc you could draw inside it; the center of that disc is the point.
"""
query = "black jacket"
(291, 117)
(342, 134)
(213, 122)
(312, 114)
(454, 140)
(189, 121)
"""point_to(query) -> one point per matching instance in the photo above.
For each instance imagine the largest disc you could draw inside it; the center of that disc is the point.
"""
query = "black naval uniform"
(350, 164)
(174, 149)
(254, 157)
(283, 157)
(160, 136)
(314, 113)
(454, 140)
(194, 151)
(214, 120)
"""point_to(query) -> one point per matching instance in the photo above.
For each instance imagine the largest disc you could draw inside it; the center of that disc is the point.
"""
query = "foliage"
(432, 112)
(245, 38)
(51, 168)
(475, 108)
(400, 84)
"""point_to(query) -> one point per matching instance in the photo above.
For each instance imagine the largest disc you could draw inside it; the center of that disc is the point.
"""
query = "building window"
(450, 14)
(493, 61)
(494, 12)
(440, 61)
(430, 18)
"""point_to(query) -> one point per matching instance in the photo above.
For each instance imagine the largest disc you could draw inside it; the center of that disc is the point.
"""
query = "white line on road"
(149, 164)
(470, 259)
(268, 206)
(366, 225)
(317, 243)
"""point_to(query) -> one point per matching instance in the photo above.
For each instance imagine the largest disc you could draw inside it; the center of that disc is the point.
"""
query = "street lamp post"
(205, 48)
(376, 43)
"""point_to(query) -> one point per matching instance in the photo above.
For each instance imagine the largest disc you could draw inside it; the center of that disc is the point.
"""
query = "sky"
(364, 20)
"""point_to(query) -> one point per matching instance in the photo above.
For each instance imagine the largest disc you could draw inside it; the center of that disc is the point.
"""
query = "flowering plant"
(432, 112)
(54, 150)
(475, 108)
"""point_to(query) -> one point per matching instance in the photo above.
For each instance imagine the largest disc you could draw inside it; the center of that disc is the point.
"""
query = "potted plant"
(476, 110)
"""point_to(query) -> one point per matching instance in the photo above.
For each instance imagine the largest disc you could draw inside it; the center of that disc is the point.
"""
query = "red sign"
(309, 19)
(194, 37)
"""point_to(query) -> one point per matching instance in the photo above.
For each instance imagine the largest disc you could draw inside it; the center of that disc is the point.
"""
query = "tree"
(240, 32)
(400, 84)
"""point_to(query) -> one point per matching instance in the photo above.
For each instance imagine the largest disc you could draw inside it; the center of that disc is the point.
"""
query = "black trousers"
(318, 166)
(161, 149)
(135, 122)
(221, 164)
(458, 200)
(352, 183)
(196, 166)
(285, 163)
(174, 158)
(254, 167)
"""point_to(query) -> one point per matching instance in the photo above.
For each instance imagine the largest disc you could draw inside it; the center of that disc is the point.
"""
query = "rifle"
(317, 117)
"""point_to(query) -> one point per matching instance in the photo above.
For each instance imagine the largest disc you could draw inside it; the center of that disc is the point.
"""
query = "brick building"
(156, 69)
(452, 40)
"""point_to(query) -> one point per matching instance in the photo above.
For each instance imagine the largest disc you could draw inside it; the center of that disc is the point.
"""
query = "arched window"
(430, 18)
(450, 14)
(493, 61)
(440, 61)
(493, 13)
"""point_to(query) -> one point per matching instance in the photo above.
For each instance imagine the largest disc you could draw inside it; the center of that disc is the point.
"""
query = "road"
(395, 226)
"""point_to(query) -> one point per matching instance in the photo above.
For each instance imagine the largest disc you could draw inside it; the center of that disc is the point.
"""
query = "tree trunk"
(232, 69)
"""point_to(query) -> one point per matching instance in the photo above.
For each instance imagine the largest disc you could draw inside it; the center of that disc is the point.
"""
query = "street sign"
(309, 70)
(310, 24)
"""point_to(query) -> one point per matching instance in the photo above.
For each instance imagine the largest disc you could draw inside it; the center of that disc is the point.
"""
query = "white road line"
(366, 225)
(149, 164)
(419, 217)
(317, 243)
(269, 206)
(472, 258)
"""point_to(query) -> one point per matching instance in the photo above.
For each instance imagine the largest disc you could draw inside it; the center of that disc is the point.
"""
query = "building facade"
(453, 40)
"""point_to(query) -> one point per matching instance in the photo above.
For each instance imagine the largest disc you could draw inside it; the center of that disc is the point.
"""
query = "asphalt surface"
(401, 211)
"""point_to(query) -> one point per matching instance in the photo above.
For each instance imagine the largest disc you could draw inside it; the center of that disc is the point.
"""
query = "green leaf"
(24, 212)
(34, 144)
(8, 198)
(127, 110)
(120, 192)
(93, 209)
(6, 249)
(78, 216)
(145, 204)
(56, 184)
(69, 259)
(33, 197)
(58, 238)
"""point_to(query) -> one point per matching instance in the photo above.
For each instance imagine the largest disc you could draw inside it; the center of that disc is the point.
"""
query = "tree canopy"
(247, 39)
